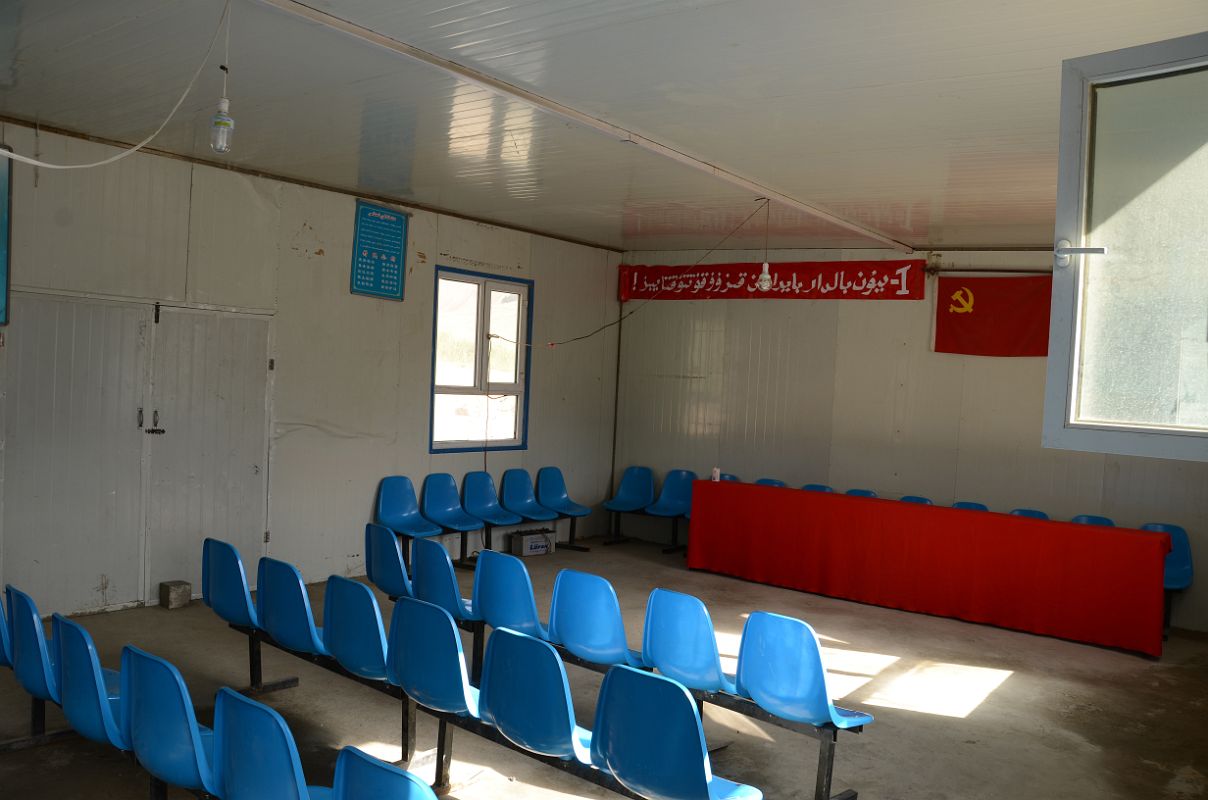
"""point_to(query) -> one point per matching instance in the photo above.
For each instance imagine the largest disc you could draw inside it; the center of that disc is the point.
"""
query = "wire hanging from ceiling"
(226, 10)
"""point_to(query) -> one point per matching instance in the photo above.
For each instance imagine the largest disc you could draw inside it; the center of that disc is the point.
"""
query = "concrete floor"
(962, 711)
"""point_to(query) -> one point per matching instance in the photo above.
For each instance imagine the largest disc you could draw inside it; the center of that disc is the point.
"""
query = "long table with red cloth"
(1081, 582)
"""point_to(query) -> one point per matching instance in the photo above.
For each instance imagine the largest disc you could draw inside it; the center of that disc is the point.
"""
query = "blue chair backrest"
(1179, 571)
(257, 757)
(440, 495)
(1093, 519)
(861, 493)
(32, 657)
(817, 487)
(6, 649)
(161, 725)
(780, 668)
(433, 579)
(503, 594)
(224, 583)
(525, 694)
(585, 618)
(648, 733)
(916, 498)
(970, 505)
(360, 776)
(426, 659)
(352, 628)
(85, 697)
(770, 482)
(396, 501)
(478, 493)
(384, 561)
(637, 485)
(727, 476)
(677, 487)
(285, 607)
(551, 486)
(518, 488)
(679, 641)
(1029, 512)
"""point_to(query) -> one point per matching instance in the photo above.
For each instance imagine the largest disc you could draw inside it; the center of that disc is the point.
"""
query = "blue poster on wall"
(379, 244)
(6, 230)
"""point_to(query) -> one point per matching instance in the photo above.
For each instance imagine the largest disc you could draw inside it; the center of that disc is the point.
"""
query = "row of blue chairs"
(785, 675)
(146, 709)
(439, 509)
(647, 732)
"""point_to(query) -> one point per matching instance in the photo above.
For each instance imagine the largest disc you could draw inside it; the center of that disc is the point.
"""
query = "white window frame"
(1079, 77)
(482, 385)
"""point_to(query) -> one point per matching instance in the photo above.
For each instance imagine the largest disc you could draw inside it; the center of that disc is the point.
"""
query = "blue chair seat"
(91, 695)
(519, 497)
(585, 618)
(480, 499)
(817, 487)
(354, 633)
(1029, 512)
(503, 594)
(284, 608)
(770, 482)
(384, 561)
(551, 493)
(676, 498)
(360, 776)
(845, 718)
(257, 756)
(1093, 519)
(970, 505)
(35, 662)
(724, 789)
(426, 659)
(861, 493)
(224, 584)
(398, 509)
(434, 581)
(1179, 571)
(635, 492)
(919, 499)
(679, 641)
(442, 505)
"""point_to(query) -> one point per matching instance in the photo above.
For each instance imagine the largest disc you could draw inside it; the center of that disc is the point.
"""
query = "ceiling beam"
(565, 112)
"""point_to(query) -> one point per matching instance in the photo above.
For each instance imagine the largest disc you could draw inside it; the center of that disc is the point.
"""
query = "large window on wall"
(1128, 360)
(480, 361)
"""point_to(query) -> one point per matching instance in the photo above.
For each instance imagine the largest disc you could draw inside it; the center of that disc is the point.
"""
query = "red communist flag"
(993, 316)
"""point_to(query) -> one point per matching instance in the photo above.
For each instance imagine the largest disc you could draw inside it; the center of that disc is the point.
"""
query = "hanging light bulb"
(222, 128)
(765, 277)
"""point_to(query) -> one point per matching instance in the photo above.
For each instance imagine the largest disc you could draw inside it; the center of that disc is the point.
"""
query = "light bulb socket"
(224, 106)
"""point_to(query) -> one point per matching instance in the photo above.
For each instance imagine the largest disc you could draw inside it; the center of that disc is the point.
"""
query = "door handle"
(155, 429)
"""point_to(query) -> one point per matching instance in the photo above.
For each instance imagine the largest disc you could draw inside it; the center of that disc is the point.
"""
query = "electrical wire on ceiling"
(226, 10)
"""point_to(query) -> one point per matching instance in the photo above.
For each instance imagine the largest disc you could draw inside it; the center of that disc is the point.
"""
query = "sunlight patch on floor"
(931, 687)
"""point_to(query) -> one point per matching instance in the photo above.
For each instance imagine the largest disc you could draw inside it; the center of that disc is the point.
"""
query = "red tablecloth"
(1080, 582)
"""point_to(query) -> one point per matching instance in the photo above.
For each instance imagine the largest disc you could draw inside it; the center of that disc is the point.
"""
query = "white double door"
(130, 437)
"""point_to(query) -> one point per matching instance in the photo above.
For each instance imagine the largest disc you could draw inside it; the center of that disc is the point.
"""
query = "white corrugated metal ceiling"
(933, 122)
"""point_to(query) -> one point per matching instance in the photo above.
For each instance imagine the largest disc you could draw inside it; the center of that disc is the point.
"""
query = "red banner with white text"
(800, 280)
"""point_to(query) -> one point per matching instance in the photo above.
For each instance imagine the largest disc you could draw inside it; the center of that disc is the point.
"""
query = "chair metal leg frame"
(159, 791)
(407, 735)
(569, 544)
(827, 735)
(675, 545)
(444, 758)
(37, 730)
(616, 537)
(256, 684)
(464, 561)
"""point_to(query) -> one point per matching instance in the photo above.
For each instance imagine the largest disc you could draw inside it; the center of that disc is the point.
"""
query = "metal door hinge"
(266, 537)
(157, 313)
(272, 364)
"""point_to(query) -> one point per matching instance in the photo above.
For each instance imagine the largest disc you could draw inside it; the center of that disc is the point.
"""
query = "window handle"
(1065, 249)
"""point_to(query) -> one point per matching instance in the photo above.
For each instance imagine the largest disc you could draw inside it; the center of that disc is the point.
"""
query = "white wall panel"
(73, 452)
(233, 247)
(121, 230)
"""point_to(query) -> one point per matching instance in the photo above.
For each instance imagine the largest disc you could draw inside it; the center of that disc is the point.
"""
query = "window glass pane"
(1143, 348)
(505, 324)
(473, 417)
(456, 333)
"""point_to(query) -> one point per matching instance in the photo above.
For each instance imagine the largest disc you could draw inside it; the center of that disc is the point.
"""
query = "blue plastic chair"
(551, 493)
(352, 628)
(433, 581)
(770, 482)
(359, 776)
(398, 509)
(585, 618)
(161, 725)
(91, 695)
(518, 497)
(648, 734)
(970, 505)
(34, 661)
(635, 492)
(917, 498)
(675, 500)
(1093, 519)
(224, 584)
(817, 487)
(257, 757)
(780, 668)
(442, 505)
(384, 562)
(284, 608)
(480, 499)
(679, 641)
(525, 695)
(727, 476)
(861, 493)
(6, 649)
(1029, 512)
(1179, 570)
(426, 659)
(503, 594)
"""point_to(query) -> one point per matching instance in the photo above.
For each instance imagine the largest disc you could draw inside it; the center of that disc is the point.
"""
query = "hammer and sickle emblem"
(963, 298)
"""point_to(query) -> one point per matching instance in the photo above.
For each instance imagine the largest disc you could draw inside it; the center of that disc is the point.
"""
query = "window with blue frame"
(480, 361)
